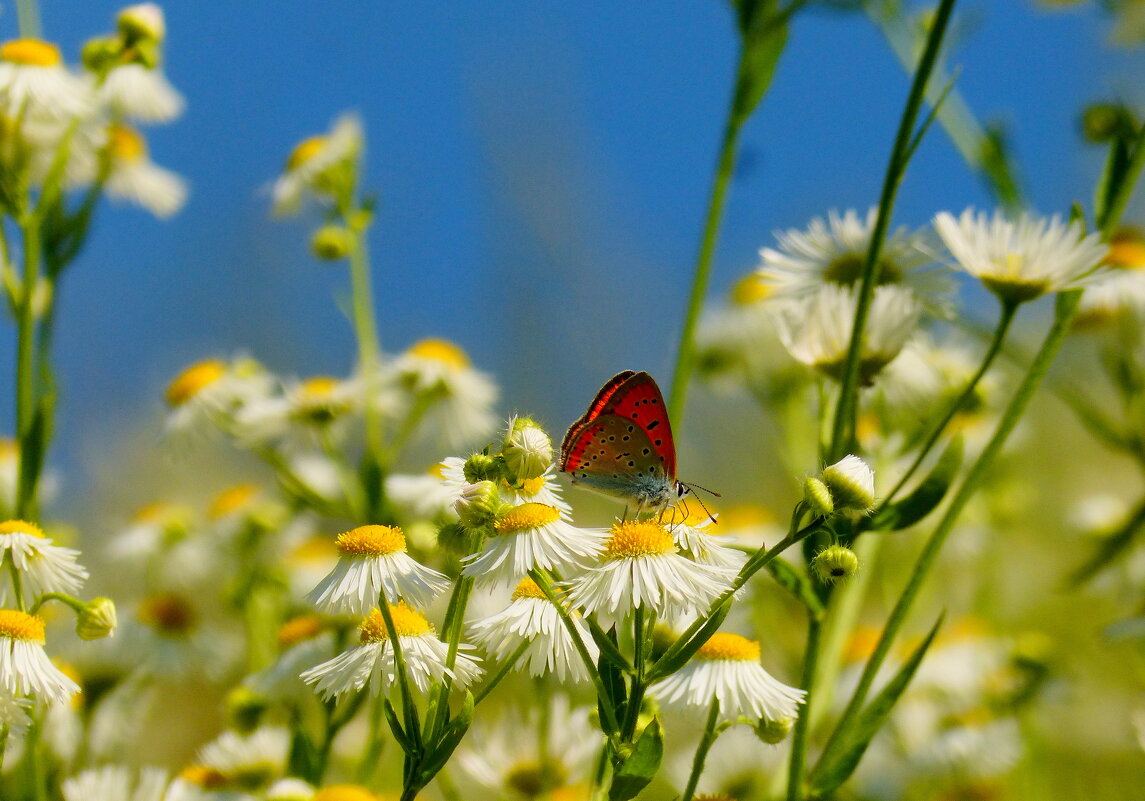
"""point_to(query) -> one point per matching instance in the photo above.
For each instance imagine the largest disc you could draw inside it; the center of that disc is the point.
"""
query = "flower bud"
(331, 243)
(142, 22)
(97, 620)
(482, 467)
(478, 504)
(818, 497)
(527, 449)
(100, 54)
(774, 732)
(1102, 122)
(454, 538)
(245, 708)
(851, 483)
(835, 563)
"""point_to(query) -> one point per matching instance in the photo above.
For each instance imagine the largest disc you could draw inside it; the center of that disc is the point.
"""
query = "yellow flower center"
(152, 512)
(635, 539)
(304, 151)
(298, 629)
(194, 380)
(204, 777)
(438, 470)
(313, 549)
(714, 797)
(750, 289)
(30, 52)
(17, 625)
(725, 647)
(861, 644)
(535, 779)
(232, 500)
(528, 589)
(1126, 250)
(319, 387)
(168, 613)
(526, 516)
(371, 541)
(8, 449)
(440, 350)
(531, 486)
(344, 792)
(20, 527)
(125, 143)
(407, 623)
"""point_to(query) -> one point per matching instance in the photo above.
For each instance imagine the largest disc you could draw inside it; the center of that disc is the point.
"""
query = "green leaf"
(673, 661)
(1111, 547)
(763, 31)
(926, 496)
(448, 741)
(608, 647)
(396, 726)
(797, 584)
(34, 446)
(634, 773)
(839, 762)
(612, 680)
(303, 755)
(1112, 176)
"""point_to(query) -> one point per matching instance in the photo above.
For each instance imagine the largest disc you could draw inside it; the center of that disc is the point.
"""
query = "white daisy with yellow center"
(641, 568)
(43, 566)
(1118, 292)
(834, 251)
(697, 535)
(314, 162)
(304, 411)
(35, 83)
(373, 564)
(135, 178)
(248, 761)
(302, 642)
(212, 391)
(25, 668)
(817, 330)
(372, 661)
(425, 496)
(727, 669)
(116, 783)
(532, 536)
(1019, 261)
(540, 489)
(530, 617)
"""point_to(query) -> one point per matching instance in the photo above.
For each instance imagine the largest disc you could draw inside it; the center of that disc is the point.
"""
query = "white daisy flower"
(727, 668)
(35, 83)
(529, 536)
(43, 567)
(424, 497)
(306, 409)
(981, 750)
(258, 757)
(500, 763)
(212, 391)
(373, 564)
(303, 642)
(136, 92)
(641, 567)
(166, 639)
(291, 789)
(308, 562)
(817, 330)
(1019, 261)
(1118, 292)
(851, 482)
(135, 178)
(116, 783)
(542, 489)
(530, 617)
(372, 661)
(458, 400)
(313, 164)
(24, 665)
(737, 343)
(697, 536)
(833, 252)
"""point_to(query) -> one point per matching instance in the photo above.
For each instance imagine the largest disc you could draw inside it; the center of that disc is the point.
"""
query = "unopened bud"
(527, 449)
(1101, 122)
(818, 497)
(482, 467)
(835, 563)
(331, 243)
(142, 22)
(97, 620)
(774, 732)
(245, 708)
(852, 484)
(478, 504)
(100, 54)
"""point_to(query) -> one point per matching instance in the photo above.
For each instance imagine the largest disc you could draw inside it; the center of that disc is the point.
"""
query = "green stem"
(1066, 307)
(842, 431)
(502, 672)
(638, 685)
(409, 709)
(707, 739)
(26, 385)
(28, 17)
(1009, 310)
(17, 582)
(607, 713)
(685, 352)
(451, 629)
(1132, 172)
(366, 330)
(803, 722)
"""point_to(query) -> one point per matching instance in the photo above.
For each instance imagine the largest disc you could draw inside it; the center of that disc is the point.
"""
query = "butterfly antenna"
(693, 487)
(703, 506)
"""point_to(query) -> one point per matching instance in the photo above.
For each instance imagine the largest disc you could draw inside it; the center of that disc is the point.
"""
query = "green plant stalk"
(1129, 180)
(17, 582)
(638, 686)
(685, 352)
(707, 740)
(409, 708)
(28, 16)
(1005, 319)
(366, 332)
(799, 737)
(1066, 307)
(26, 395)
(451, 628)
(608, 714)
(842, 430)
(502, 672)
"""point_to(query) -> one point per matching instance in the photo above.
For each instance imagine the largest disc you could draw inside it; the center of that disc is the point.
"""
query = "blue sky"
(543, 169)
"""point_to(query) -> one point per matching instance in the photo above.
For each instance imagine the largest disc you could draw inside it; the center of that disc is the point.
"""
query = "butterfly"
(623, 444)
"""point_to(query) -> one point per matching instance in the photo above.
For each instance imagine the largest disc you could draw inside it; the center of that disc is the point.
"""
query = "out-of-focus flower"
(134, 177)
(320, 166)
(35, 83)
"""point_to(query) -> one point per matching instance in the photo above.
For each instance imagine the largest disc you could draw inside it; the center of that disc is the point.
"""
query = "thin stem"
(707, 739)
(803, 722)
(1066, 307)
(17, 581)
(843, 429)
(409, 710)
(366, 330)
(502, 672)
(26, 384)
(685, 352)
(638, 685)
(28, 17)
(1117, 205)
(451, 628)
(1009, 310)
(608, 714)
